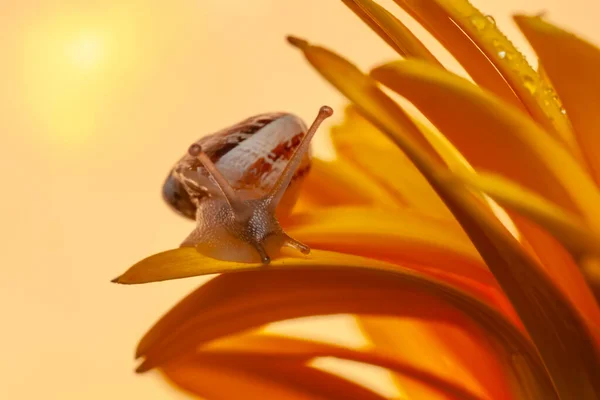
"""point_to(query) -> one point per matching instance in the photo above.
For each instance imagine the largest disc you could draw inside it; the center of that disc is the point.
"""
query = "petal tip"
(143, 367)
(297, 42)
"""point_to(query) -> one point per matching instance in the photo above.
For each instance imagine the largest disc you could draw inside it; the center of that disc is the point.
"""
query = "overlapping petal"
(229, 305)
(281, 348)
(390, 29)
(547, 315)
(572, 65)
(219, 376)
(492, 60)
(486, 130)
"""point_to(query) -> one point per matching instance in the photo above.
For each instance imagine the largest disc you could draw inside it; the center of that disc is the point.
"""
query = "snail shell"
(251, 155)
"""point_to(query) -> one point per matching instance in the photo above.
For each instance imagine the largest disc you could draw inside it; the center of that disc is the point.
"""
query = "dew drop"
(491, 19)
(529, 84)
(500, 50)
(563, 111)
(478, 22)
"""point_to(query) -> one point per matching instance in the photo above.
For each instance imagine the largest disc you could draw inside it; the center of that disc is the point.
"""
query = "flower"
(482, 229)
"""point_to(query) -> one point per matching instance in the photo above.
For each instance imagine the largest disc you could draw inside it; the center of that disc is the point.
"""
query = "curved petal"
(217, 376)
(492, 60)
(390, 29)
(572, 64)
(487, 131)
(302, 350)
(232, 303)
(549, 318)
(187, 262)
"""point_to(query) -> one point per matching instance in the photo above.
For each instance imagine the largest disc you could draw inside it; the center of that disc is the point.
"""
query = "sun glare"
(86, 51)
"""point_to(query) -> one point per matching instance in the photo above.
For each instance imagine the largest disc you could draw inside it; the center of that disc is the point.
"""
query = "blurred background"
(97, 100)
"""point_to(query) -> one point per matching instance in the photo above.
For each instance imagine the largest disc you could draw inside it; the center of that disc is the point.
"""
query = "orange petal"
(492, 60)
(572, 64)
(232, 303)
(445, 351)
(547, 315)
(494, 136)
(286, 348)
(217, 376)
(390, 29)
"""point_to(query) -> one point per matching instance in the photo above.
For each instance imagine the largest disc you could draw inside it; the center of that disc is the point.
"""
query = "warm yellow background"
(97, 99)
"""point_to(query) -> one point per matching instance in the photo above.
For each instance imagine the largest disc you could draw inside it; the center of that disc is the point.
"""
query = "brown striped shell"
(250, 154)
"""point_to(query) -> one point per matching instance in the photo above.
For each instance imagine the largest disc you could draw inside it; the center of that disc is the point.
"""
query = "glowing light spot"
(86, 51)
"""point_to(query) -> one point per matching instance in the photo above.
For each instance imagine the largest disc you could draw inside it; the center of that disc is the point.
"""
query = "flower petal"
(549, 318)
(362, 144)
(492, 60)
(487, 132)
(572, 65)
(435, 19)
(232, 303)
(301, 350)
(567, 228)
(390, 29)
(185, 262)
(451, 267)
(338, 182)
(340, 73)
(218, 376)
(443, 350)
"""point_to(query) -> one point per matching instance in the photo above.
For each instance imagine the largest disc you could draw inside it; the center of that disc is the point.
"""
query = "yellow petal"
(362, 144)
(338, 182)
(436, 20)
(287, 348)
(572, 64)
(494, 136)
(186, 262)
(568, 228)
(490, 57)
(461, 271)
(354, 84)
(547, 315)
(217, 376)
(232, 303)
(390, 29)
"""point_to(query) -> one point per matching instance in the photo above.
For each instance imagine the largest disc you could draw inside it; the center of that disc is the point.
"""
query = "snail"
(236, 182)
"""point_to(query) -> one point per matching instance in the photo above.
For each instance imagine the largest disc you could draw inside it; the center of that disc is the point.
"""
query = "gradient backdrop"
(97, 100)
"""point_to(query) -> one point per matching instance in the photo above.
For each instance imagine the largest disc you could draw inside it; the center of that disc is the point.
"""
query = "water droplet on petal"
(563, 111)
(529, 84)
(478, 22)
(491, 19)
(500, 50)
